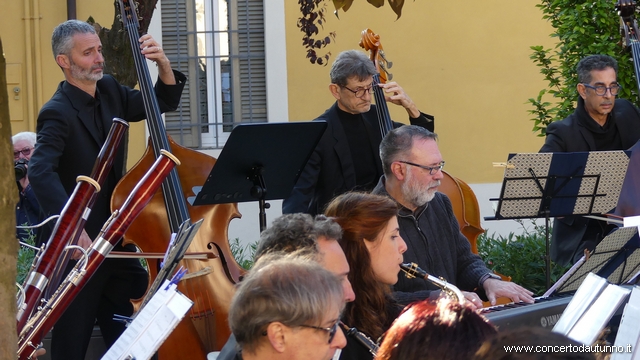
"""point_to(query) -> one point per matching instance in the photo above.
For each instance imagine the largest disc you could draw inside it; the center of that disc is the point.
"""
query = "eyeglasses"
(331, 330)
(601, 90)
(360, 92)
(26, 151)
(432, 169)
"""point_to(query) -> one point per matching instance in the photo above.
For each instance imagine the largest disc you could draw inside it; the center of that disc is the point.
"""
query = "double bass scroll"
(371, 42)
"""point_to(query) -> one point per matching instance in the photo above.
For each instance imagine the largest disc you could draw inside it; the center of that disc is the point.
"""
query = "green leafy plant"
(521, 257)
(581, 28)
(25, 257)
(243, 254)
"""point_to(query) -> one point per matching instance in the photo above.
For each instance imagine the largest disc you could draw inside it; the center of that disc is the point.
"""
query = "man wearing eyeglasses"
(288, 307)
(346, 157)
(412, 167)
(593, 126)
(317, 235)
(27, 209)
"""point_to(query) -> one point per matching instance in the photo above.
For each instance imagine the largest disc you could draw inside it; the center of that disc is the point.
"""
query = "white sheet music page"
(628, 337)
(151, 326)
(587, 293)
(598, 315)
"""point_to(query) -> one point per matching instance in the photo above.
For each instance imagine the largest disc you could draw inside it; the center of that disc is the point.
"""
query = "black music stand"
(545, 185)
(260, 162)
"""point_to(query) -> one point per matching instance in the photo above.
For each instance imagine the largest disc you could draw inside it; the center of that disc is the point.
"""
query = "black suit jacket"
(330, 171)
(69, 141)
(569, 135)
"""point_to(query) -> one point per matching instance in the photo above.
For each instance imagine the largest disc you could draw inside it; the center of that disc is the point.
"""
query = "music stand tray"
(260, 162)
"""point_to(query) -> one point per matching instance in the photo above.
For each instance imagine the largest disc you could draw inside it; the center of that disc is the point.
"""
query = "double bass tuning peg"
(388, 74)
(389, 63)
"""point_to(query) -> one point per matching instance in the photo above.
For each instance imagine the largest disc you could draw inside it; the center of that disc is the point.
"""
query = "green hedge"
(521, 257)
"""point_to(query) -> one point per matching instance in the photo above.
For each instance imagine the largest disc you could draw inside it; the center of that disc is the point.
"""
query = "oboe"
(361, 338)
(42, 321)
(412, 270)
(69, 225)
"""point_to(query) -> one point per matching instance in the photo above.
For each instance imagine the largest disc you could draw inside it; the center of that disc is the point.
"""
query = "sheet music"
(580, 302)
(152, 325)
(588, 328)
(629, 331)
(564, 277)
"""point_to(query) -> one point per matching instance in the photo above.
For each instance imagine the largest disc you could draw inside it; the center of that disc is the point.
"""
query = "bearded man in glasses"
(412, 167)
(346, 157)
(593, 126)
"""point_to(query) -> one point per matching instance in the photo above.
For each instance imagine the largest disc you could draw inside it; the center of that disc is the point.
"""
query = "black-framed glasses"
(432, 169)
(26, 151)
(331, 330)
(360, 92)
(601, 90)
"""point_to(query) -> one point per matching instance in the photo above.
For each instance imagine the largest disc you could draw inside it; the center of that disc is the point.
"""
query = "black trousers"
(108, 292)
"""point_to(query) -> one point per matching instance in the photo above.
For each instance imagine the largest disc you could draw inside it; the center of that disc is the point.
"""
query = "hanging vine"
(313, 20)
(310, 23)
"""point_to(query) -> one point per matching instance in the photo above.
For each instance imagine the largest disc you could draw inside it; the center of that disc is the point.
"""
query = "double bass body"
(211, 285)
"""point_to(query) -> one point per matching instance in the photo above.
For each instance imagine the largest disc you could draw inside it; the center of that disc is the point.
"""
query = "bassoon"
(69, 225)
(43, 320)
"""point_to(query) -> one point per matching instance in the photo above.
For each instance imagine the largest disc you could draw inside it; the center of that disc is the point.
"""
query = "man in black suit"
(72, 127)
(346, 158)
(600, 122)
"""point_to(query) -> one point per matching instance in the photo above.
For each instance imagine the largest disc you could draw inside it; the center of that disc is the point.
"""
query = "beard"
(418, 194)
(86, 74)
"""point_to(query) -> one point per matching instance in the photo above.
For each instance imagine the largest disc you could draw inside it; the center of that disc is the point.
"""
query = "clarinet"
(43, 320)
(69, 225)
(361, 338)
(412, 270)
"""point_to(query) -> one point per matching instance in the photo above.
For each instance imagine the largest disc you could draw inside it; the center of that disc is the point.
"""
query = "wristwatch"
(487, 276)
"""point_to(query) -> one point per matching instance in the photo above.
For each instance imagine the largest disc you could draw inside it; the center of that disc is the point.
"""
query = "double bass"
(209, 283)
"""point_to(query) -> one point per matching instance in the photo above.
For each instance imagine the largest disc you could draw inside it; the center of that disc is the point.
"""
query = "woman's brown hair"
(363, 217)
(445, 330)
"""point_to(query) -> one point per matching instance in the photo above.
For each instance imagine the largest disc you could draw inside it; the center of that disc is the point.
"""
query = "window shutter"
(242, 97)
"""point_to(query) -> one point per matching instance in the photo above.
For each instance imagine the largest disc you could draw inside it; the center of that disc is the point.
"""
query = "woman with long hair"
(373, 247)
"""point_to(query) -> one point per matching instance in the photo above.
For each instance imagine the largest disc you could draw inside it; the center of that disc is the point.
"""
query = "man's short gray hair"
(61, 40)
(291, 232)
(28, 136)
(351, 63)
(398, 142)
(594, 62)
(291, 289)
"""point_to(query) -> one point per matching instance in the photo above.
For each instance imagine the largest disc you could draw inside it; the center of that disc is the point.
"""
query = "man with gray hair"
(318, 236)
(72, 127)
(346, 156)
(288, 307)
(593, 126)
(27, 209)
(412, 167)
